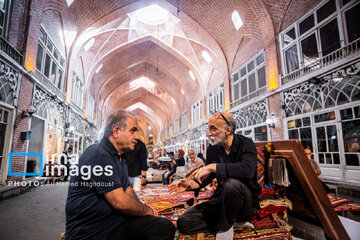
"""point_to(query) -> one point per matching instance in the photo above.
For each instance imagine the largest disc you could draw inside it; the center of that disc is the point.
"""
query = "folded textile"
(266, 222)
(270, 209)
(284, 202)
(266, 191)
(280, 222)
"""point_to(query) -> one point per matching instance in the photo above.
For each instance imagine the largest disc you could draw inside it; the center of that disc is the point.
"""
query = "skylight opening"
(192, 75)
(152, 15)
(142, 82)
(236, 19)
(89, 44)
(98, 69)
(138, 106)
(206, 56)
(69, 2)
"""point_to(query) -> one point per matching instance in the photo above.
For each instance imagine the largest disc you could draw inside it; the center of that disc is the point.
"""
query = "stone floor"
(37, 214)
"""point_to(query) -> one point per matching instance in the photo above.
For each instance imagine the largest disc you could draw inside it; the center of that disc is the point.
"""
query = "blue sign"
(16, 154)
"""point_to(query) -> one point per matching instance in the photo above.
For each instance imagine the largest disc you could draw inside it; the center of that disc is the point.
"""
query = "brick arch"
(173, 53)
(155, 127)
(142, 95)
(120, 83)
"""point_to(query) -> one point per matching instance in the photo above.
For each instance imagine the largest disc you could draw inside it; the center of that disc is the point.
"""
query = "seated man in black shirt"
(101, 204)
(232, 160)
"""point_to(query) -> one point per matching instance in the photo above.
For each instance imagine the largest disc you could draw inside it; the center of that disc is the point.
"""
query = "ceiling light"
(89, 44)
(192, 75)
(152, 15)
(98, 69)
(236, 19)
(173, 100)
(182, 91)
(149, 127)
(206, 56)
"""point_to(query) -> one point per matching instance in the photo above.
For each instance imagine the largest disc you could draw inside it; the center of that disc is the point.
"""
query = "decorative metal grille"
(77, 122)
(48, 108)
(251, 115)
(195, 133)
(309, 97)
(9, 83)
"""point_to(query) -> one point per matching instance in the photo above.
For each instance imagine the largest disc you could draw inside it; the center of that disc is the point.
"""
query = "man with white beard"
(232, 160)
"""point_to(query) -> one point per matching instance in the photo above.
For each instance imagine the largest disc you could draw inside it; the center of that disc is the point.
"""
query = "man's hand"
(318, 171)
(179, 187)
(152, 211)
(143, 181)
(204, 172)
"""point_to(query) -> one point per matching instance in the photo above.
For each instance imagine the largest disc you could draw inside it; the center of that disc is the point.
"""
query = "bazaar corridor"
(248, 105)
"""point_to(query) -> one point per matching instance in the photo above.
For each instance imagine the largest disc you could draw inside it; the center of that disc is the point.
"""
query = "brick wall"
(277, 133)
(21, 125)
(17, 24)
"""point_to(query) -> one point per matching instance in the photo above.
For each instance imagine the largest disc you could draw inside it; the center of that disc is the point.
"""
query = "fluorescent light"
(192, 75)
(206, 56)
(152, 15)
(236, 19)
(98, 69)
(89, 44)
(182, 91)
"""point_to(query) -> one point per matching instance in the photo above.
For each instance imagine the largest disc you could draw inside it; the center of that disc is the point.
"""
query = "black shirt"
(136, 159)
(180, 162)
(241, 164)
(88, 214)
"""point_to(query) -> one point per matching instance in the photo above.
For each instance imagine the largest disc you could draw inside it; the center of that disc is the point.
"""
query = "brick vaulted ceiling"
(129, 49)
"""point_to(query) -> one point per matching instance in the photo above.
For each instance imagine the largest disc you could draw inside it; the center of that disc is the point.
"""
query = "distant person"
(66, 163)
(201, 156)
(171, 169)
(316, 167)
(180, 161)
(137, 163)
(194, 162)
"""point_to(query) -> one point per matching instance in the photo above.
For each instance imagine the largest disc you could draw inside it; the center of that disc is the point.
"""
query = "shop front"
(9, 91)
(326, 118)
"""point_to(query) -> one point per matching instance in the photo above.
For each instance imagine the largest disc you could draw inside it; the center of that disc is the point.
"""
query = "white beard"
(218, 139)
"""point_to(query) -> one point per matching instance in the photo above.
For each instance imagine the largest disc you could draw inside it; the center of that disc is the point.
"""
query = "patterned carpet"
(171, 206)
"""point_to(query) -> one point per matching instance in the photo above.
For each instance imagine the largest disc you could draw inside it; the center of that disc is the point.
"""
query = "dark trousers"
(230, 203)
(166, 180)
(144, 228)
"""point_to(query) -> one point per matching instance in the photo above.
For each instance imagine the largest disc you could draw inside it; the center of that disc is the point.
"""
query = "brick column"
(18, 164)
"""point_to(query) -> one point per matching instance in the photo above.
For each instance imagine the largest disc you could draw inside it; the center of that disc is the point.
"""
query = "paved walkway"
(38, 214)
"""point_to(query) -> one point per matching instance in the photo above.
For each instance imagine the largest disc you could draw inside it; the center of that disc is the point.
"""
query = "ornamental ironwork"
(47, 107)
(9, 83)
(251, 115)
(195, 133)
(325, 92)
(77, 122)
